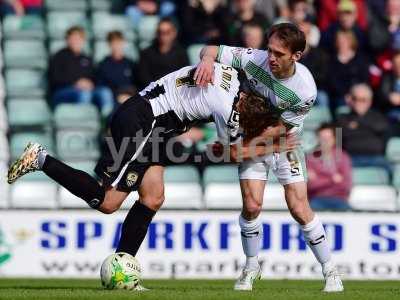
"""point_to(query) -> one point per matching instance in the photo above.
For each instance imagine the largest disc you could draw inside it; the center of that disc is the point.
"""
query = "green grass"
(37, 289)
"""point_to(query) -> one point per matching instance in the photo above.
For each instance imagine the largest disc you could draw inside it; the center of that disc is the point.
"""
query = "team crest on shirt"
(283, 105)
(131, 178)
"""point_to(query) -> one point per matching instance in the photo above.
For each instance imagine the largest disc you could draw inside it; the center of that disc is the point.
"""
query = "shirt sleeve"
(295, 116)
(236, 57)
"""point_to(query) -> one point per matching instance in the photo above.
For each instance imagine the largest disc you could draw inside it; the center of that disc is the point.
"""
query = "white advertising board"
(194, 244)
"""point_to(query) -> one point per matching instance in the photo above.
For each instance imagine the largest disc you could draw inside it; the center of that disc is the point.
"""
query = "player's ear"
(297, 55)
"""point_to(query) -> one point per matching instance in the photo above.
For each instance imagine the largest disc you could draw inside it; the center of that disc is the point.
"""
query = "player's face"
(280, 57)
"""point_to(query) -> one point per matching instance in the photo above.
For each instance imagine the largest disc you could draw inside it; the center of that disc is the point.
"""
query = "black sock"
(134, 228)
(76, 181)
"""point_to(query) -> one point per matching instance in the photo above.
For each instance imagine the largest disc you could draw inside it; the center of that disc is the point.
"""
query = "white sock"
(315, 235)
(251, 233)
(41, 158)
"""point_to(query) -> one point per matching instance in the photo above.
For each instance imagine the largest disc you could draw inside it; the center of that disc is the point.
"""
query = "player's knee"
(108, 207)
(251, 207)
(153, 199)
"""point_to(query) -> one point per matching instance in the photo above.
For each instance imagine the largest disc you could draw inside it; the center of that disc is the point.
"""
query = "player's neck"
(286, 73)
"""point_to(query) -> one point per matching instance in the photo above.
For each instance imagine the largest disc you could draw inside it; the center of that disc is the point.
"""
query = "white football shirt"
(293, 97)
(178, 93)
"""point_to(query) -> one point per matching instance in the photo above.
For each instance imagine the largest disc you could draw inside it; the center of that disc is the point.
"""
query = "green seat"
(25, 27)
(56, 45)
(32, 112)
(309, 141)
(101, 50)
(147, 29)
(221, 174)
(72, 116)
(342, 110)
(25, 82)
(317, 116)
(25, 54)
(370, 176)
(181, 174)
(393, 150)
(396, 177)
(103, 23)
(59, 22)
(210, 136)
(76, 144)
(62, 5)
(100, 5)
(193, 52)
(19, 141)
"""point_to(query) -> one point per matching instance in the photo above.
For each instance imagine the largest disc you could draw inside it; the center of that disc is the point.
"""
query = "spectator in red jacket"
(329, 173)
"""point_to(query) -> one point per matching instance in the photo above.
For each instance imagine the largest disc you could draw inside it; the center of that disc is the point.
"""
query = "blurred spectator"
(253, 36)
(163, 57)
(347, 68)
(389, 91)
(71, 75)
(21, 7)
(204, 21)
(301, 11)
(364, 130)
(116, 70)
(271, 9)
(136, 9)
(329, 173)
(347, 17)
(317, 60)
(243, 13)
(328, 12)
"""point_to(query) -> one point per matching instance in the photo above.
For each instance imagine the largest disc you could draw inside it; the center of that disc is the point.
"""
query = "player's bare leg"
(251, 231)
(314, 233)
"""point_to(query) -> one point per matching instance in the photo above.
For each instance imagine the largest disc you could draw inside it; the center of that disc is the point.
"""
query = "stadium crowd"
(353, 52)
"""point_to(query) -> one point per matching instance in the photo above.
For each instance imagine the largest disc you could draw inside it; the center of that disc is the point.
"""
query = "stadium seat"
(62, 5)
(370, 176)
(101, 50)
(3, 119)
(274, 197)
(19, 141)
(72, 116)
(342, 110)
(103, 23)
(24, 27)
(222, 189)
(33, 194)
(32, 112)
(56, 45)
(4, 149)
(309, 141)
(100, 5)
(76, 144)
(147, 30)
(4, 186)
(393, 150)
(17, 56)
(374, 198)
(396, 177)
(210, 136)
(193, 52)
(59, 22)
(25, 83)
(182, 188)
(68, 200)
(317, 116)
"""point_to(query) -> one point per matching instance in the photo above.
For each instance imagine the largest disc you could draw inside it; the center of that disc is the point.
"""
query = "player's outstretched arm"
(205, 69)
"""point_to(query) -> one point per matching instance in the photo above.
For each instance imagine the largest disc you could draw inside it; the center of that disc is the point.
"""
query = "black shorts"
(132, 129)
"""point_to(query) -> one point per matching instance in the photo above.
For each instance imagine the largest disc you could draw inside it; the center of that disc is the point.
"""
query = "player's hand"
(289, 142)
(204, 72)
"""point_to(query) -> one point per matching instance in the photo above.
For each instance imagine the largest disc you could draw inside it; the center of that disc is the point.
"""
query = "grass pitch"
(37, 289)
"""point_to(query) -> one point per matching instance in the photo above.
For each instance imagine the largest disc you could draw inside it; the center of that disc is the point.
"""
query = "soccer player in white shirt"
(289, 86)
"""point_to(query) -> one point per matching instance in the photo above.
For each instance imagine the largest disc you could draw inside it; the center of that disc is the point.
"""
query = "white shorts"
(288, 167)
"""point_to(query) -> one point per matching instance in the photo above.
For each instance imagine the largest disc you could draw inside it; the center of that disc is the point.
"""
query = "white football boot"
(140, 288)
(333, 283)
(246, 279)
(27, 163)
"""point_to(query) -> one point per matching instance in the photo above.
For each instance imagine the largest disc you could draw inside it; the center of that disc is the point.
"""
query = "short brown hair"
(256, 115)
(114, 35)
(291, 35)
(75, 29)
